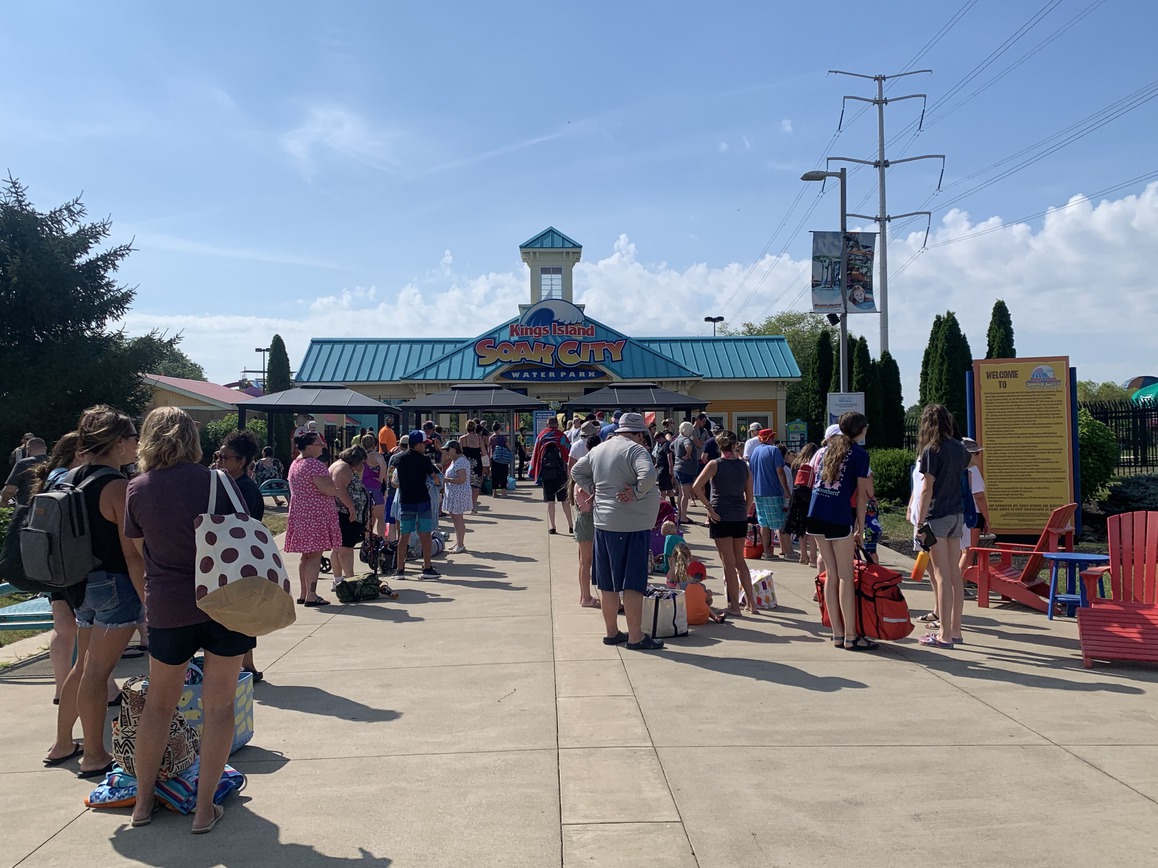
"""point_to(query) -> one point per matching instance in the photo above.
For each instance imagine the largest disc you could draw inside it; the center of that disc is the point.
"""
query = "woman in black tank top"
(728, 507)
(111, 608)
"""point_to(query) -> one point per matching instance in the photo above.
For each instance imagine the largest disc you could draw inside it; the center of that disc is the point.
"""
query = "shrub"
(212, 433)
(1132, 494)
(892, 473)
(5, 518)
(1097, 454)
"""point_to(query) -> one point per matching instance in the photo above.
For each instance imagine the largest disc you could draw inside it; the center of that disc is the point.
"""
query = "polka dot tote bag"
(241, 580)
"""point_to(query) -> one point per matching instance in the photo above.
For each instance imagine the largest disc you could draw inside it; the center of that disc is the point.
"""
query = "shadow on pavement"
(763, 670)
(380, 612)
(242, 838)
(259, 760)
(314, 700)
(504, 556)
(966, 668)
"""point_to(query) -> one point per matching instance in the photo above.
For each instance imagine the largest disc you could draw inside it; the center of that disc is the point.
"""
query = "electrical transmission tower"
(882, 165)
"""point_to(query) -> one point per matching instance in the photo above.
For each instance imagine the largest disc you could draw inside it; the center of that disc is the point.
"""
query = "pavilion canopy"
(314, 399)
(470, 397)
(636, 396)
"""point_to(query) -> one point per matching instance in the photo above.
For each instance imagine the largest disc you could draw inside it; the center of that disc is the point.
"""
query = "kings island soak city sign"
(552, 340)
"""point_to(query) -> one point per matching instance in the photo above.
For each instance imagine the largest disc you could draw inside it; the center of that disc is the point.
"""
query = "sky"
(366, 168)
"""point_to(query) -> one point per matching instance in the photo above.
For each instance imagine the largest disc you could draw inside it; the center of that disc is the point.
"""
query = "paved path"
(478, 721)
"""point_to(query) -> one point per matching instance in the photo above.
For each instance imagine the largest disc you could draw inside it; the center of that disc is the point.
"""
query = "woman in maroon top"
(163, 502)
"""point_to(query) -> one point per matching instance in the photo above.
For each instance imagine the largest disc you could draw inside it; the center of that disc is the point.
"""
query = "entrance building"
(554, 351)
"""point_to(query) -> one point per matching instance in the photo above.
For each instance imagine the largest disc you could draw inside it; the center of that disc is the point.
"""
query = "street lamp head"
(818, 175)
(261, 349)
(713, 319)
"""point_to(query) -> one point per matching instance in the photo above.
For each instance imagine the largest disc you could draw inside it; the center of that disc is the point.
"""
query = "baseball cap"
(972, 445)
(755, 426)
(831, 431)
(696, 570)
(416, 437)
(616, 414)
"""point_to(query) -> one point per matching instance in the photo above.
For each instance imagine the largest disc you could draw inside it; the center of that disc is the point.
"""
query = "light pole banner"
(826, 272)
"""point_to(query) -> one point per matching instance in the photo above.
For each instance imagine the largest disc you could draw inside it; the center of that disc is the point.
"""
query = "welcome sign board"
(551, 334)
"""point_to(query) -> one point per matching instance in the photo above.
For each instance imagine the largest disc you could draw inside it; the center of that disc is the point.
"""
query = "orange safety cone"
(919, 567)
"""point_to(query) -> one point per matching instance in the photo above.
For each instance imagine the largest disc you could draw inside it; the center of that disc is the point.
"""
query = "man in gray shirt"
(19, 484)
(621, 476)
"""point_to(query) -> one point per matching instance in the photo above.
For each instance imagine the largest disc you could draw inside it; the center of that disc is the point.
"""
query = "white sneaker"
(767, 556)
(458, 550)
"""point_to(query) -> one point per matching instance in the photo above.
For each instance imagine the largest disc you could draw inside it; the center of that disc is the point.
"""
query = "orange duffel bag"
(881, 611)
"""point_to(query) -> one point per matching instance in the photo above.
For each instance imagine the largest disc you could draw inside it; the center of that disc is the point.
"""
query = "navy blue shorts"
(622, 560)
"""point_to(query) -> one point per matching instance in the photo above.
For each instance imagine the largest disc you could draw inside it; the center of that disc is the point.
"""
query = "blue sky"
(369, 168)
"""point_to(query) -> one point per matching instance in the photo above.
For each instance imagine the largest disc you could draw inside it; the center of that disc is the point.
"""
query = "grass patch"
(275, 521)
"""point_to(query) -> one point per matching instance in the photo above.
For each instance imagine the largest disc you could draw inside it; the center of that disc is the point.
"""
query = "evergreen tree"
(822, 365)
(864, 379)
(278, 380)
(59, 352)
(850, 354)
(952, 359)
(931, 348)
(892, 403)
(1000, 336)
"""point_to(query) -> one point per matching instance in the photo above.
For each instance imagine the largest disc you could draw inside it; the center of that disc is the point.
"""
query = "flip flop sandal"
(95, 773)
(301, 601)
(646, 644)
(77, 750)
(218, 813)
(862, 643)
(930, 640)
(618, 639)
(313, 604)
(928, 617)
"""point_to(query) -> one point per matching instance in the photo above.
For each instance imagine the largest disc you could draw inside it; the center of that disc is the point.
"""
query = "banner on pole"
(826, 272)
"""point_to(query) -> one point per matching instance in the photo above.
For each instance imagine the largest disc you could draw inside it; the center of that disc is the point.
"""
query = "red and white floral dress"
(313, 516)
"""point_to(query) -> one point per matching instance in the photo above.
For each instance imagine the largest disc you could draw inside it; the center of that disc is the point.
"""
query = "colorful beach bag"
(191, 707)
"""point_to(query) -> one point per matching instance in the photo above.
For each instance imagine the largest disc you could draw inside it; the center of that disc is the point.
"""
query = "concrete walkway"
(479, 721)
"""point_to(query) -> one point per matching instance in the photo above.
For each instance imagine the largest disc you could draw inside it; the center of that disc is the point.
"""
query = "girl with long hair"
(472, 446)
(584, 504)
(110, 610)
(843, 474)
(797, 522)
(942, 460)
(373, 475)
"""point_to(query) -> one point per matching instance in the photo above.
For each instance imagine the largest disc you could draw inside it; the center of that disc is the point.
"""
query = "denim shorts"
(685, 478)
(110, 600)
(409, 522)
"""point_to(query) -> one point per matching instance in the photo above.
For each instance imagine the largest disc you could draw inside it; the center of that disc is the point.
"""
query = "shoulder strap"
(217, 482)
(100, 474)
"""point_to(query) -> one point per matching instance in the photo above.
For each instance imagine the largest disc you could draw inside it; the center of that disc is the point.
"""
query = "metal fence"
(1137, 431)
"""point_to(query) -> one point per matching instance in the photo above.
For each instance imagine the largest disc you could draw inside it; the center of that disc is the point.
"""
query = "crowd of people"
(618, 481)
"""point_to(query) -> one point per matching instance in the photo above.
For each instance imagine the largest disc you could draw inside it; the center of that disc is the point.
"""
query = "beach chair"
(1124, 627)
(994, 569)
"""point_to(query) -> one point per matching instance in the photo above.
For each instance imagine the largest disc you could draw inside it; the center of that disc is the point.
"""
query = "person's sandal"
(930, 640)
(311, 604)
(218, 813)
(645, 644)
(928, 618)
(862, 643)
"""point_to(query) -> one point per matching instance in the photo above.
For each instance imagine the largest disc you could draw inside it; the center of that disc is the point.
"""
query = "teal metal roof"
(731, 358)
(551, 238)
(453, 360)
(370, 360)
(639, 361)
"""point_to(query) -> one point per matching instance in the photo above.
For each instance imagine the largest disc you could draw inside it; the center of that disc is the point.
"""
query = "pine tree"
(951, 359)
(61, 348)
(281, 425)
(850, 354)
(822, 365)
(931, 348)
(999, 344)
(892, 403)
(866, 379)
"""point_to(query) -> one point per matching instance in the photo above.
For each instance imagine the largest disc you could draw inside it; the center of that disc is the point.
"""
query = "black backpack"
(551, 463)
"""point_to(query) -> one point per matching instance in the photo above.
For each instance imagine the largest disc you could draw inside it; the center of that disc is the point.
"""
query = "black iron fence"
(1137, 431)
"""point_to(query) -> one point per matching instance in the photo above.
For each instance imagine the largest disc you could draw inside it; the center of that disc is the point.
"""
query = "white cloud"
(723, 148)
(747, 144)
(345, 132)
(786, 125)
(1081, 285)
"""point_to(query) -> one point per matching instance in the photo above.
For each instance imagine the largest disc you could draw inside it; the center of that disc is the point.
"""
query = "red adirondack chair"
(1025, 585)
(1124, 627)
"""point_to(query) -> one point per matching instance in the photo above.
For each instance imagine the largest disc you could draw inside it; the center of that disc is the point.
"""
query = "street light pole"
(842, 175)
(713, 320)
(263, 351)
